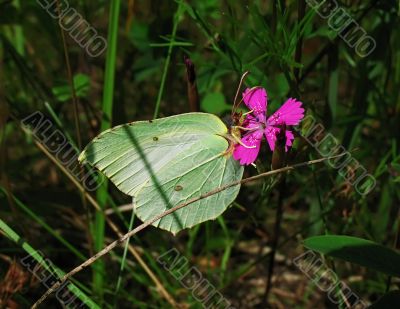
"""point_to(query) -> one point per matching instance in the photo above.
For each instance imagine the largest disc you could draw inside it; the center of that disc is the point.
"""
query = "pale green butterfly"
(165, 162)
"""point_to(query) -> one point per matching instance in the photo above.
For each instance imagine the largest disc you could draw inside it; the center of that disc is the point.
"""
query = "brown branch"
(166, 213)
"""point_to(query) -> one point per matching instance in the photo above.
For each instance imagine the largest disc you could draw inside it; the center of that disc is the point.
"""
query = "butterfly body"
(237, 121)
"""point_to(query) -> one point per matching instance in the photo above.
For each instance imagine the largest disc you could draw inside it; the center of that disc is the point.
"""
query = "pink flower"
(256, 124)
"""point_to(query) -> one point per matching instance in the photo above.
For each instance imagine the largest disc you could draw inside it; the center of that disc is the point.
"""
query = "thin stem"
(71, 83)
(19, 34)
(75, 103)
(275, 240)
(107, 108)
(121, 269)
(301, 10)
(396, 246)
(177, 16)
(236, 105)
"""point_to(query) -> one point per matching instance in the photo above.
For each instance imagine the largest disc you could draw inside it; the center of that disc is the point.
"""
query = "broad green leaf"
(389, 300)
(357, 250)
(165, 162)
(214, 102)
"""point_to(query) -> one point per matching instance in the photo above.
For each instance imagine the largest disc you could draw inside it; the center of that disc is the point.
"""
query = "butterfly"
(164, 162)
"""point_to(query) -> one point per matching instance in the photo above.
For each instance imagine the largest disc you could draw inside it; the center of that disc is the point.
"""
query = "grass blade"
(102, 193)
(11, 234)
(177, 18)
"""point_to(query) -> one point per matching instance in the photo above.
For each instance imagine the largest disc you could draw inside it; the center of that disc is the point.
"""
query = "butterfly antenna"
(235, 105)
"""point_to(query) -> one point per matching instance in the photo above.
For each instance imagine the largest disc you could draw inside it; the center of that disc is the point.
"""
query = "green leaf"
(139, 35)
(214, 103)
(166, 162)
(278, 88)
(82, 84)
(358, 251)
(396, 166)
(389, 300)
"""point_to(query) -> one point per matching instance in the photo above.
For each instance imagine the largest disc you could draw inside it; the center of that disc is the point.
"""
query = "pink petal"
(289, 139)
(250, 122)
(248, 155)
(290, 113)
(271, 135)
(256, 100)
